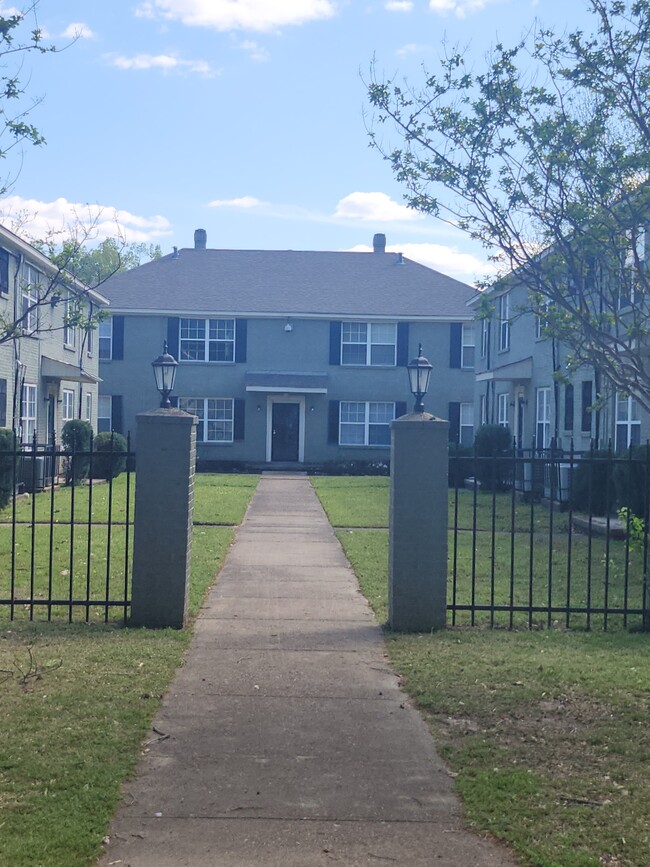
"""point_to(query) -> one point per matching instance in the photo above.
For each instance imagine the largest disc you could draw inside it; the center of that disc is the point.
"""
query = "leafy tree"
(20, 35)
(94, 266)
(544, 157)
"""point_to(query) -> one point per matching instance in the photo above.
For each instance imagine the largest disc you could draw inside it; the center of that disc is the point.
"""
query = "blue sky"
(243, 117)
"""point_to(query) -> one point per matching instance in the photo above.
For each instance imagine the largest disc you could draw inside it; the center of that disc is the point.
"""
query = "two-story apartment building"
(522, 382)
(48, 367)
(287, 356)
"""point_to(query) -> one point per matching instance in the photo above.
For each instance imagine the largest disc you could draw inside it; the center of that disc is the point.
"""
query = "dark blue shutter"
(173, 328)
(402, 344)
(239, 422)
(335, 344)
(455, 341)
(400, 408)
(333, 423)
(3, 402)
(117, 349)
(116, 413)
(454, 421)
(241, 340)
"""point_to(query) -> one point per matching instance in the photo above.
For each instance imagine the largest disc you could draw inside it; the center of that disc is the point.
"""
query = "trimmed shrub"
(493, 447)
(8, 459)
(76, 437)
(461, 464)
(592, 485)
(631, 480)
(109, 455)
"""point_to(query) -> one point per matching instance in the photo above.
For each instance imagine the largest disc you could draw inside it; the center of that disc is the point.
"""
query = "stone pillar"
(164, 500)
(417, 573)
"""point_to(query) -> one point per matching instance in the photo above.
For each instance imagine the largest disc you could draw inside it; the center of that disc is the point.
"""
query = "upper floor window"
(30, 298)
(69, 329)
(541, 321)
(365, 423)
(467, 346)
(215, 415)
(105, 337)
(633, 264)
(369, 343)
(207, 340)
(504, 322)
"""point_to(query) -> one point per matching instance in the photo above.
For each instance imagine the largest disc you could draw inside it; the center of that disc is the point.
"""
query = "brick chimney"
(200, 239)
(379, 243)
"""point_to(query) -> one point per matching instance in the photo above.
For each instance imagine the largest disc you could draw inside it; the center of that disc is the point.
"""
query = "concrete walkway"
(290, 743)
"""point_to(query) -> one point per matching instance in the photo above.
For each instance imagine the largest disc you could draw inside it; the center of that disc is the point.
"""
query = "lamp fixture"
(164, 371)
(419, 371)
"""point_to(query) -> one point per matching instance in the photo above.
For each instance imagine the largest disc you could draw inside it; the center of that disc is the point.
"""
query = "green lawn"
(545, 730)
(529, 565)
(76, 701)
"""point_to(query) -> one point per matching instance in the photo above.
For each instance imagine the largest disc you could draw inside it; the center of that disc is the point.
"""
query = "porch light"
(419, 370)
(164, 371)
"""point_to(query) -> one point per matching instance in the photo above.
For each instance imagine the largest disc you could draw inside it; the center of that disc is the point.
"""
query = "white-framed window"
(365, 422)
(69, 330)
(30, 298)
(634, 260)
(27, 413)
(104, 413)
(216, 417)
(485, 337)
(503, 401)
(467, 346)
(482, 409)
(466, 424)
(369, 343)
(88, 407)
(207, 340)
(105, 338)
(541, 321)
(504, 322)
(628, 422)
(67, 404)
(543, 417)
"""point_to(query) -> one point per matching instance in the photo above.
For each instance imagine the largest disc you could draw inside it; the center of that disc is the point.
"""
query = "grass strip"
(545, 730)
(76, 701)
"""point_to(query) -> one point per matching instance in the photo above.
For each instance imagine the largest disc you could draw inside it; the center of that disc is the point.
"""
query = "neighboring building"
(522, 383)
(287, 356)
(48, 372)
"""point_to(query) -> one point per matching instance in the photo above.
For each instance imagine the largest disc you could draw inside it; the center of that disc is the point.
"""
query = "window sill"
(362, 446)
(369, 366)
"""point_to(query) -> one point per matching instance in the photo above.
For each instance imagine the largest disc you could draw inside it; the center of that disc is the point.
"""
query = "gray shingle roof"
(288, 283)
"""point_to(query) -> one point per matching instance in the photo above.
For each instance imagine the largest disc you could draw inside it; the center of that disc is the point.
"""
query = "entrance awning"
(287, 383)
(517, 371)
(53, 369)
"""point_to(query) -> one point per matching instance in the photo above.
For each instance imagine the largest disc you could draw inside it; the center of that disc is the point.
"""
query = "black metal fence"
(546, 537)
(65, 533)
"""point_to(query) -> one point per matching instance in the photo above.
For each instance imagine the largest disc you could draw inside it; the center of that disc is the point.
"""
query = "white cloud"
(256, 52)
(447, 260)
(398, 5)
(78, 30)
(238, 14)
(242, 202)
(31, 218)
(460, 8)
(163, 62)
(410, 48)
(373, 207)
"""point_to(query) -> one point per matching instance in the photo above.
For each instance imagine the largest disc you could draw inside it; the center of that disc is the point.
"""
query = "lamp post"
(419, 370)
(164, 371)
